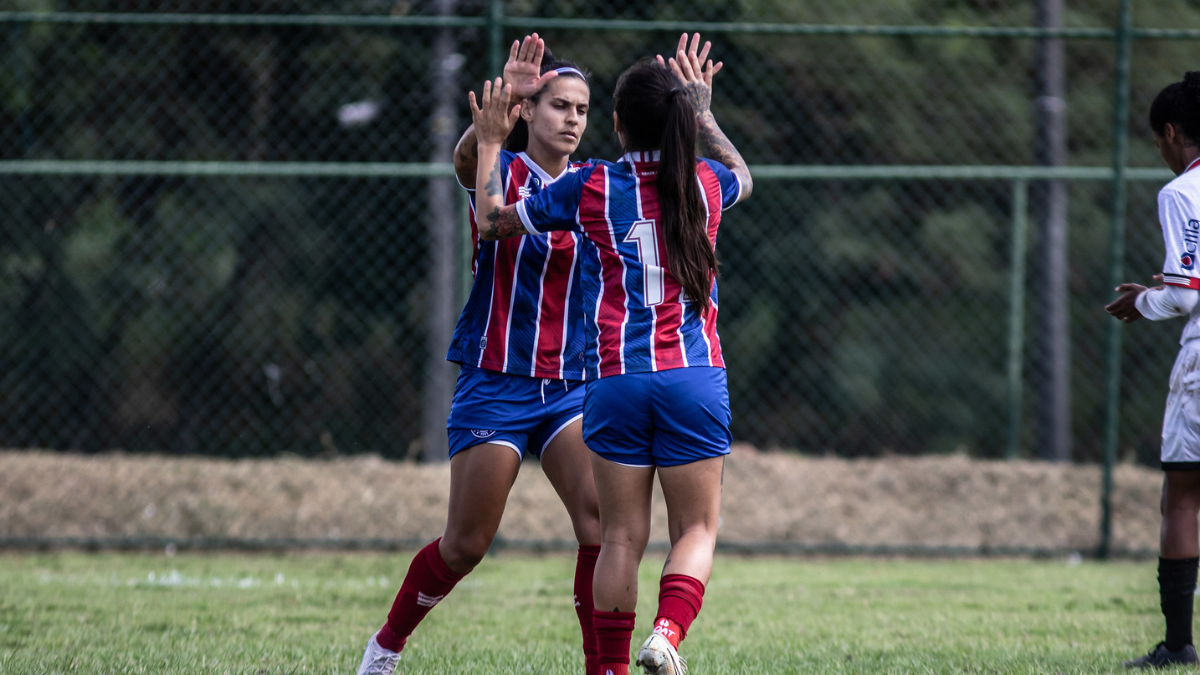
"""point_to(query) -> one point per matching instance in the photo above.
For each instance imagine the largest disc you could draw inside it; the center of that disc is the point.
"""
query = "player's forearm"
(466, 158)
(717, 145)
(1167, 302)
(492, 217)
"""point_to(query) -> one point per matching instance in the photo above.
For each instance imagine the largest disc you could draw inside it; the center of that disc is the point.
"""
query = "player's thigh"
(558, 443)
(693, 495)
(624, 494)
(1181, 490)
(567, 463)
(480, 479)
(566, 460)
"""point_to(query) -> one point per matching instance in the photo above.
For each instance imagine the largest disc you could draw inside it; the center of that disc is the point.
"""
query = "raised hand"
(495, 117)
(523, 70)
(694, 70)
(522, 73)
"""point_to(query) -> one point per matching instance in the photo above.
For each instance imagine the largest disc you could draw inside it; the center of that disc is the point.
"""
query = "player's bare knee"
(698, 533)
(464, 552)
(633, 539)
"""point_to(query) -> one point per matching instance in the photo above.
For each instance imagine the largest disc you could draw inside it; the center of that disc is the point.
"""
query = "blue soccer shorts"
(523, 413)
(665, 418)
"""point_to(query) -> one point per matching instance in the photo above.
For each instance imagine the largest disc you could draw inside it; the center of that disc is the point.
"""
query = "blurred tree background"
(249, 315)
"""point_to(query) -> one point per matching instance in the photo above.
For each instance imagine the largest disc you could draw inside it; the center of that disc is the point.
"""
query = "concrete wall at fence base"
(768, 498)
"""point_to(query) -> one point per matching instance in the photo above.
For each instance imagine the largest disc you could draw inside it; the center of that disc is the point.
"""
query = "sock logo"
(576, 598)
(428, 600)
(663, 628)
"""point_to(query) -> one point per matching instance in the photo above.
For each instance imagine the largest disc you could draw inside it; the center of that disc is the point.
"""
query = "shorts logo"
(1187, 261)
(482, 433)
(483, 342)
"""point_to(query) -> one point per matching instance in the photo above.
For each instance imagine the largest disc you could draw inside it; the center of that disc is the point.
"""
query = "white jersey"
(1179, 216)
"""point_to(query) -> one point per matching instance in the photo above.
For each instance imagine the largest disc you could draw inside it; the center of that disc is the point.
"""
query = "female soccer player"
(1175, 120)
(657, 397)
(520, 343)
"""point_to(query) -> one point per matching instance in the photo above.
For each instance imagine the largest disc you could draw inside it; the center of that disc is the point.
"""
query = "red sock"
(679, 600)
(614, 630)
(585, 569)
(429, 579)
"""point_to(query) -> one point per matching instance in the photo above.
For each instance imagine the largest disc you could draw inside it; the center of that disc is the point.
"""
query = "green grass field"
(312, 613)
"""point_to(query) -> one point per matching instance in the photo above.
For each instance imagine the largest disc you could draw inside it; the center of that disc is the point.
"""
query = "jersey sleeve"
(1167, 302)
(1179, 216)
(556, 207)
(731, 187)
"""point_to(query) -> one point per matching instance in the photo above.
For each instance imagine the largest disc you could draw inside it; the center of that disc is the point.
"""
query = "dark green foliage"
(234, 315)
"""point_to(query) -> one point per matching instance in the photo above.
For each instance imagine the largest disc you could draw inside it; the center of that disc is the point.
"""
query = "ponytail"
(691, 258)
(1178, 104)
(655, 114)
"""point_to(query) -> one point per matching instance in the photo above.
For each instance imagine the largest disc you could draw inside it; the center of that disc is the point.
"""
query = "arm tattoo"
(466, 157)
(493, 187)
(503, 224)
(699, 95)
(722, 150)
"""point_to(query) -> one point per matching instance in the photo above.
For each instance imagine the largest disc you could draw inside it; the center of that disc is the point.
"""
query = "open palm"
(523, 71)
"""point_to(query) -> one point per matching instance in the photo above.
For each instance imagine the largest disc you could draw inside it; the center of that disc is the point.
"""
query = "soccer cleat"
(377, 660)
(658, 657)
(1161, 657)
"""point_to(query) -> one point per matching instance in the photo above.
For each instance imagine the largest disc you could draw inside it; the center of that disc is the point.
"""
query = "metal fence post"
(18, 59)
(495, 38)
(1016, 317)
(442, 227)
(1116, 260)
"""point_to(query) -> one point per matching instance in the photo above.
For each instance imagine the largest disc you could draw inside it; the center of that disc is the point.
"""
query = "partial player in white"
(1175, 120)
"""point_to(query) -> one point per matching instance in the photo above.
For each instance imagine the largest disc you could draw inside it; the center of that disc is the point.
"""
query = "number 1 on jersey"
(646, 236)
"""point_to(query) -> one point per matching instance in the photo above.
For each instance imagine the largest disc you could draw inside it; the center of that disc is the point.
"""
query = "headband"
(574, 71)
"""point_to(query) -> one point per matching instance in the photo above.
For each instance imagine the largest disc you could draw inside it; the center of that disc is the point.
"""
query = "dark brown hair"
(655, 114)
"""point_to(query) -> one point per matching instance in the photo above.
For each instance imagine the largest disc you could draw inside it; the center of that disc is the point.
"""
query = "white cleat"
(658, 657)
(377, 660)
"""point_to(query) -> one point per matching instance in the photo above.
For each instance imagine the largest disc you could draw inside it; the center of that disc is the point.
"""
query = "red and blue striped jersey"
(524, 315)
(636, 317)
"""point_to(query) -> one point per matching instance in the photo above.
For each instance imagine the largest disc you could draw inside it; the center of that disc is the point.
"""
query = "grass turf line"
(312, 613)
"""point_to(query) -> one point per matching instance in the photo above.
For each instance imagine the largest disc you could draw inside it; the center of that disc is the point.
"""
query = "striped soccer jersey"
(636, 318)
(524, 315)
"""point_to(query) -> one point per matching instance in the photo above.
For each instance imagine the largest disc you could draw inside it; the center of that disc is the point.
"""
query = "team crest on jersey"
(482, 433)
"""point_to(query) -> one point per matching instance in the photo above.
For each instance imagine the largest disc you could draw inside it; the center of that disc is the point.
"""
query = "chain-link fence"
(220, 216)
